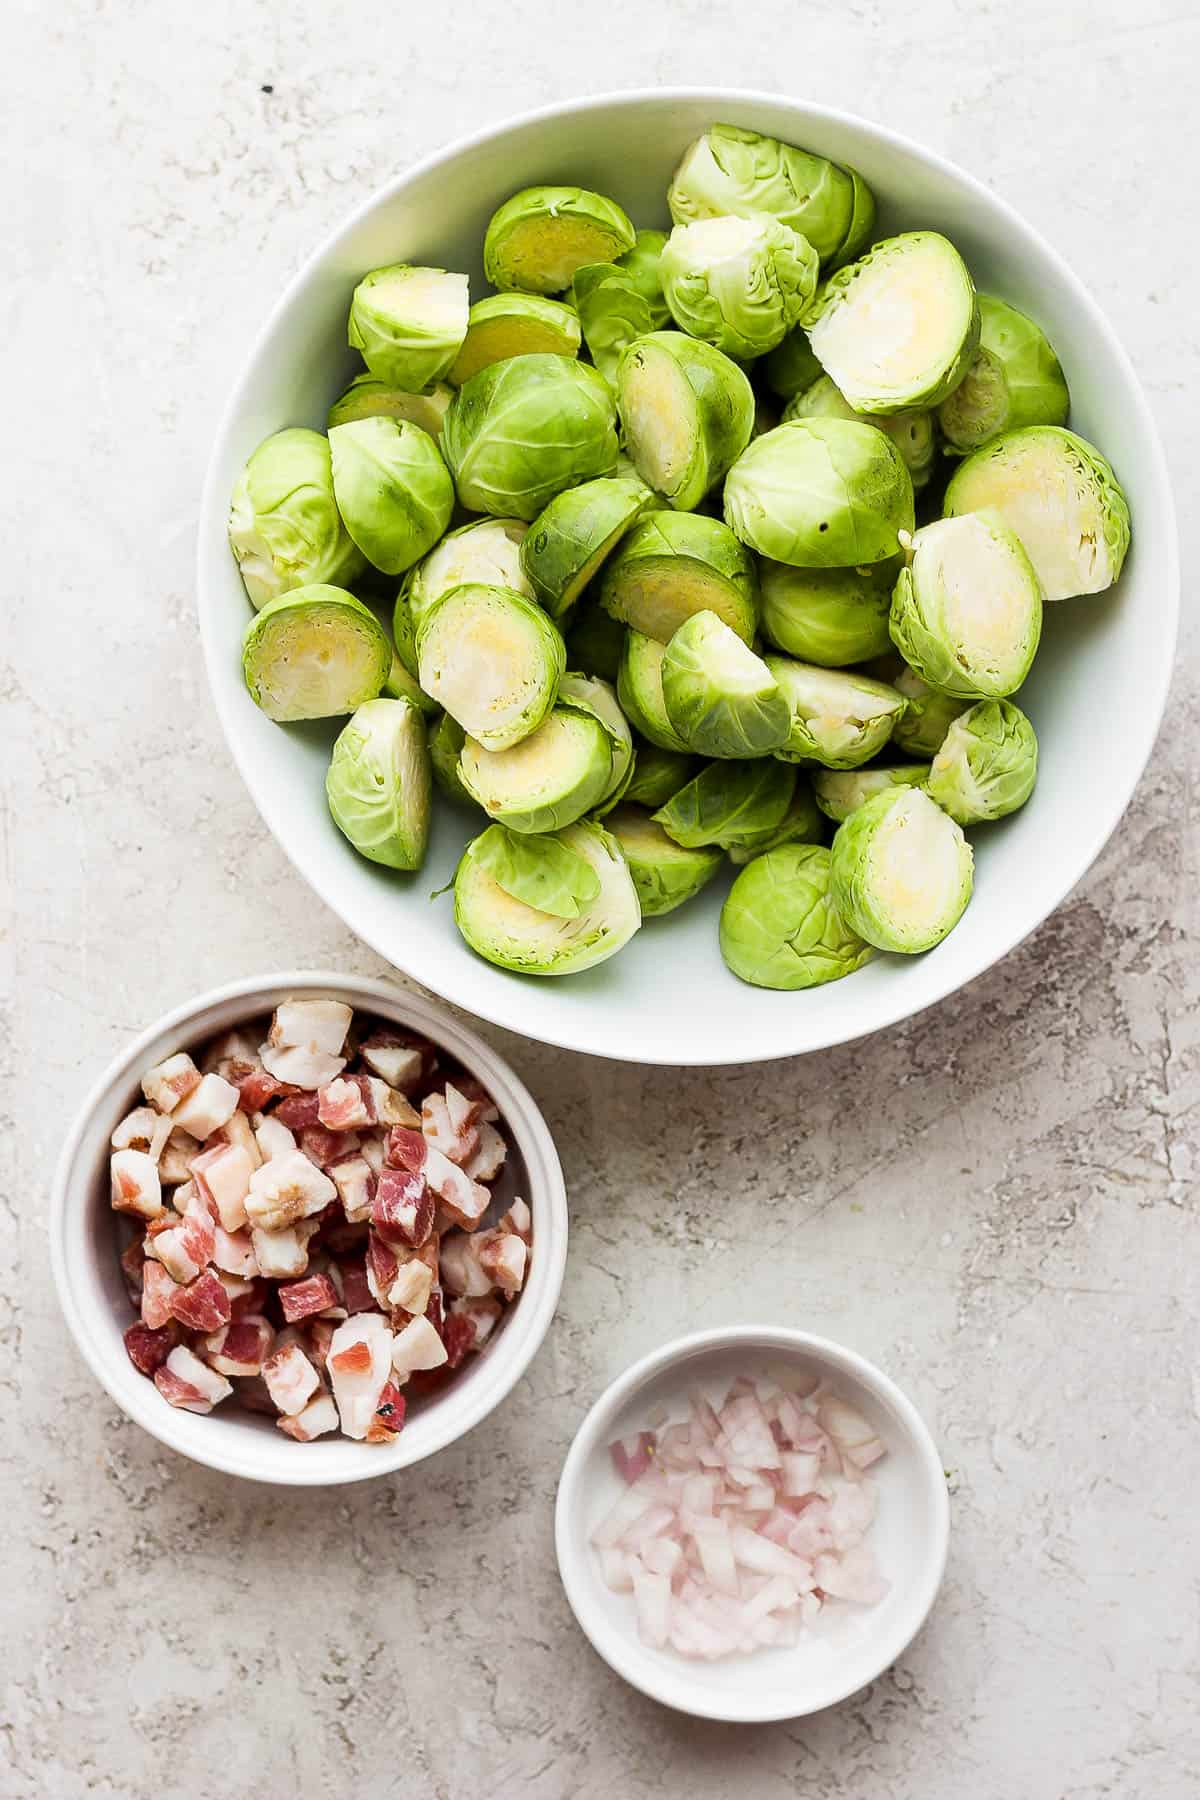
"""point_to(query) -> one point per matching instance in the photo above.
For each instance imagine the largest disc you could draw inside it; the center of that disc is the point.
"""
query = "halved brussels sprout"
(368, 397)
(802, 823)
(657, 775)
(967, 611)
(840, 791)
(901, 871)
(567, 543)
(589, 694)
(791, 366)
(729, 170)
(720, 697)
(822, 494)
(987, 764)
(641, 264)
(862, 222)
(492, 659)
(672, 565)
(546, 905)
(738, 283)
(487, 551)
(640, 690)
(1060, 496)
(613, 311)
(595, 641)
(505, 325)
(831, 617)
(664, 873)
(393, 490)
(911, 432)
(538, 239)
(378, 785)
(446, 740)
(1014, 380)
(779, 925)
(401, 684)
(521, 431)
(733, 805)
(314, 653)
(284, 526)
(688, 412)
(839, 718)
(550, 779)
(409, 323)
(921, 728)
(898, 329)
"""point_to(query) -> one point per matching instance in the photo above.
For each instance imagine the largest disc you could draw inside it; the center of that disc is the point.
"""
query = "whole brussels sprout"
(641, 264)
(920, 729)
(831, 617)
(409, 323)
(568, 542)
(729, 170)
(720, 697)
(546, 905)
(657, 775)
(733, 805)
(492, 659)
(967, 611)
(802, 823)
(521, 431)
(673, 565)
(911, 432)
(505, 325)
(791, 367)
(613, 311)
(987, 764)
(284, 526)
(1014, 379)
(393, 490)
(738, 283)
(839, 791)
(901, 871)
(446, 740)
(378, 784)
(688, 412)
(839, 718)
(780, 927)
(548, 780)
(369, 398)
(640, 691)
(314, 653)
(487, 552)
(822, 494)
(664, 873)
(538, 239)
(1060, 496)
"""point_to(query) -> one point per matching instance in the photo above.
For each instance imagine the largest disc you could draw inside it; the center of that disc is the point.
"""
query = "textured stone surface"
(995, 1201)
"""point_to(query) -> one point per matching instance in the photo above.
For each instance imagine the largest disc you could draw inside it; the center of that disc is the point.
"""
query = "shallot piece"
(737, 1526)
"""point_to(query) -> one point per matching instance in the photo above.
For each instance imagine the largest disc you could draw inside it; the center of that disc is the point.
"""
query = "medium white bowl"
(83, 1247)
(909, 1536)
(1096, 694)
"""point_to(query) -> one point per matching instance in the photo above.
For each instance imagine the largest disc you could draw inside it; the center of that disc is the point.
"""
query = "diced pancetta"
(298, 1111)
(233, 1252)
(175, 1163)
(237, 1130)
(158, 1294)
(402, 1206)
(184, 1381)
(304, 1044)
(406, 1149)
(461, 1270)
(488, 1157)
(281, 1255)
(299, 1299)
(390, 1106)
(134, 1184)
(475, 1091)
(417, 1346)
(148, 1350)
(202, 1304)
(463, 1200)
(313, 1421)
(318, 1335)
(185, 1249)
(442, 1134)
(207, 1107)
(482, 1314)
(401, 1062)
(240, 1348)
(355, 1184)
(171, 1081)
(502, 1257)
(388, 1421)
(290, 1377)
(356, 1292)
(285, 1190)
(143, 1129)
(360, 1360)
(222, 1176)
(411, 1289)
(273, 1137)
(341, 1105)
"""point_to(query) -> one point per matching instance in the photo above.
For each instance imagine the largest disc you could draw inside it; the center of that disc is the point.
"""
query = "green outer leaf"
(839, 791)
(378, 784)
(721, 698)
(597, 698)
(743, 303)
(791, 366)
(446, 740)
(569, 540)
(830, 617)
(921, 728)
(657, 775)
(730, 170)
(523, 237)
(730, 804)
(612, 313)
(641, 265)
(722, 403)
(284, 526)
(912, 432)
(862, 849)
(987, 764)
(535, 942)
(368, 398)
(821, 493)
(862, 222)
(664, 873)
(521, 431)
(639, 689)
(539, 870)
(393, 490)
(1014, 379)
(397, 344)
(802, 823)
(779, 926)
(280, 675)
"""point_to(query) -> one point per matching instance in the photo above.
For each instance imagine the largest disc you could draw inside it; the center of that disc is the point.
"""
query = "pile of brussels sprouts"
(665, 598)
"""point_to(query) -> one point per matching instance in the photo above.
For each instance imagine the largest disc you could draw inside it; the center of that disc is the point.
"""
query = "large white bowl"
(1096, 694)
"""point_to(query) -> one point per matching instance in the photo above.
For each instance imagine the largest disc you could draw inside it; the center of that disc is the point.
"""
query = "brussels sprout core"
(314, 653)
(720, 697)
(550, 779)
(538, 239)
(521, 431)
(838, 718)
(507, 325)
(821, 494)
(967, 612)
(580, 907)
(664, 873)
(779, 926)
(688, 412)
(675, 564)
(377, 784)
(901, 871)
(409, 323)
(493, 660)
(393, 490)
(987, 764)
(284, 525)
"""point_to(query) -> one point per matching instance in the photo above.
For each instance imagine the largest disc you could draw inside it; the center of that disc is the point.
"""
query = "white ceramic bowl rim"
(899, 1001)
(664, 1677)
(504, 1361)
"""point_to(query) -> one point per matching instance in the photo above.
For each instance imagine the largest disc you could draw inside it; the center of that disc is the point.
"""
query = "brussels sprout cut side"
(488, 552)
(507, 325)
(720, 697)
(987, 764)
(493, 660)
(831, 617)
(393, 490)
(731, 171)
(537, 240)
(839, 791)
(838, 718)
(688, 412)
(546, 905)
(598, 701)
(738, 283)
(521, 431)
(640, 691)
(1014, 379)
(737, 806)
(821, 494)
(780, 927)
(675, 564)
(567, 543)
(284, 526)
(378, 784)
(550, 779)
(664, 873)
(901, 871)
(314, 653)
(409, 323)
(967, 611)
(369, 398)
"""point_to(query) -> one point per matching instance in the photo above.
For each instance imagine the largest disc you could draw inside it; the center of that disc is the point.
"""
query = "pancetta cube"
(240, 1348)
(388, 1421)
(238, 1130)
(462, 1273)
(273, 1138)
(281, 1255)
(181, 1197)
(158, 1295)
(388, 1104)
(360, 1360)
(134, 1184)
(185, 1249)
(170, 1082)
(488, 1157)
(133, 1261)
(148, 1350)
(222, 1176)
(341, 1105)
(246, 1294)
(411, 1289)
(518, 1219)
(184, 1381)
(318, 1335)
(143, 1129)
(483, 1315)
(327, 1147)
(459, 1143)
(299, 1299)
(290, 1377)
(356, 1289)
(463, 1200)
(406, 1149)
(402, 1206)
(202, 1304)
(313, 1421)
(235, 1046)
(355, 1185)
(417, 1346)
(233, 1252)
(459, 1335)
(298, 1111)
(304, 1044)
(285, 1190)
(400, 1061)
(502, 1256)
(372, 1150)
(207, 1107)
(175, 1163)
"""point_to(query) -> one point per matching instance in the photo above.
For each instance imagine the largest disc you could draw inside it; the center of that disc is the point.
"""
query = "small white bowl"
(93, 1297)
(909, 1536)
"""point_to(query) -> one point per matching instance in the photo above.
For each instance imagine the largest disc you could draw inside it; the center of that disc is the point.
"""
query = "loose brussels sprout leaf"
(664, 873)
(641, 264)
(507, 325)
(831, 617)
(284, 526)
(987, 764)
(378, 785)
(488, 552)
(688, 412)
(1058, 494)
(538, 239)
(521, 431)
(409, 323)
(839, 791)
(738, 283)
(598, 700)
(401, 685)
(567, 543)
(920, 729)
(314, 653)
(393, 490)
(550, 779)
(901, 871)
(1014, 380)
(733, 805)
(538, 936)
(822, 494)
(640, 690)
(720, 697)
(779, 925)
(802, 823)
(729, 170)
(967, 611)
(658, 774)
(595, 641)
(613, 311)
(541, 872)
(492, 660)
(898, 329)
(675, 564)
(446, 740)
(369, 398)
(911, 432)
(839, 718)
(791, 366)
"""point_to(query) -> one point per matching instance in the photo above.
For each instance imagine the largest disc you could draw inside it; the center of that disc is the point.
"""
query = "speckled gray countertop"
(995, 1201)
